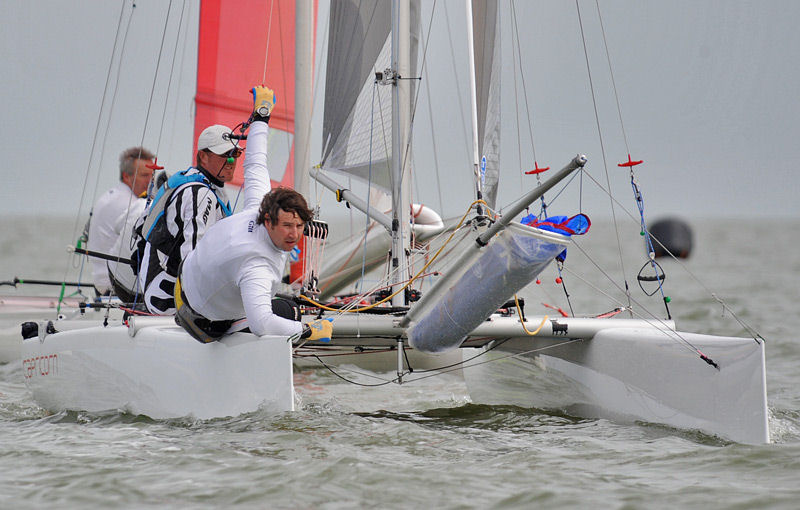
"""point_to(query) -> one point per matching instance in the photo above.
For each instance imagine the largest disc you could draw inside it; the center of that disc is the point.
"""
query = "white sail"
(357, 124)
(486, 51)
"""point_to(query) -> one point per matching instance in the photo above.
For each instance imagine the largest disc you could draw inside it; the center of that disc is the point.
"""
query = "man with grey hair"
(117, 209)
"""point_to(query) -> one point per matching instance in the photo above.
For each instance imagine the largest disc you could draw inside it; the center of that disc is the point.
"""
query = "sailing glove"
(263, 103)
(320, 329)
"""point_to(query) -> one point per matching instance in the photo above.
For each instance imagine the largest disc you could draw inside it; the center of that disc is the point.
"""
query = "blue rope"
(637, 194)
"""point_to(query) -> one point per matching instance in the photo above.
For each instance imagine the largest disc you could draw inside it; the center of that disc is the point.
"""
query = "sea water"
(425, 444)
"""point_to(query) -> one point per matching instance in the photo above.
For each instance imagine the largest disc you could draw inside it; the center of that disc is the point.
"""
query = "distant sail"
(231, 53)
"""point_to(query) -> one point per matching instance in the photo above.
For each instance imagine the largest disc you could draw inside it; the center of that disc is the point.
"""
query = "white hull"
(616, 368)
(14, 310)
(637, 374)
(160, 372)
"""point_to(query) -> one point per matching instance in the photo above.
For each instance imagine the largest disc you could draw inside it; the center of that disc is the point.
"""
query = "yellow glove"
(320, 329)
(263, 101)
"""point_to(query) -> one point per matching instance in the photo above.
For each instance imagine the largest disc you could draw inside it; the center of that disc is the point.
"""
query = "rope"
(522, 319)
(269, 33)
(404, 287)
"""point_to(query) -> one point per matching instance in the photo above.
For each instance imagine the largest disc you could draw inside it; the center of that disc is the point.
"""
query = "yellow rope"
(404, 287)
(521, 321)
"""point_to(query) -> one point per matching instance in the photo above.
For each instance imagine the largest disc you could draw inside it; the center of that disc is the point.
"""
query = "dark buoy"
(671, 234)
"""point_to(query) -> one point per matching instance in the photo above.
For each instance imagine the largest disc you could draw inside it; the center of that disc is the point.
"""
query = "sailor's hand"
(320, 329)
(263, 102)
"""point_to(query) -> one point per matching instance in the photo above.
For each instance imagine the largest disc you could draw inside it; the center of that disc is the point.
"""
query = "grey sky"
(707, 91)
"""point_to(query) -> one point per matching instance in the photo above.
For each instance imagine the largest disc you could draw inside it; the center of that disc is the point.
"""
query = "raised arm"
(256, 173)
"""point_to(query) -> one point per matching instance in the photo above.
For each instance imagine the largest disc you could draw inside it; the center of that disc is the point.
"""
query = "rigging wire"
(514, 50)
(631, 164)
(97, 127)
(155, 75)
(468, 165)
(613, 82)
(433, 144)
(518, 53)
(360, 283)
(755, 334)
(181, 75)
(289, 140)
(412, 119)
(602, 149)
(171, 74)
(102, 104)
(163, 116)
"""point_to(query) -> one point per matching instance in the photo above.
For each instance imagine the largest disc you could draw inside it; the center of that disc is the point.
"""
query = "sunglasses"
(233, 153)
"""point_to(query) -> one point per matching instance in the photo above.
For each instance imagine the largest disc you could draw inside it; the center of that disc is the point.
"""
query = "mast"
(473, 101)
(303, 100)
(401, 175)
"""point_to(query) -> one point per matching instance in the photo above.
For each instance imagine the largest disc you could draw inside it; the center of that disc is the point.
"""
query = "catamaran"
(448, 287)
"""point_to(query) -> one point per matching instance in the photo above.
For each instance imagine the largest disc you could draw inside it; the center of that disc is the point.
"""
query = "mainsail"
(486, 49)
(240, 45)
(357, 125)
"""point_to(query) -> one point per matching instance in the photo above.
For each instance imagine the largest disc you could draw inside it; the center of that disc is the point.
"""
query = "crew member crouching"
(236, 268)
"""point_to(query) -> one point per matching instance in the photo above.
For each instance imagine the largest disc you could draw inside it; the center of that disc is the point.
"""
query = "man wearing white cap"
(181, 212)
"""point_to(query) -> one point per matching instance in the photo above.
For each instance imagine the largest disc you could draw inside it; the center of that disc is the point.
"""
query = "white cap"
(216, 138)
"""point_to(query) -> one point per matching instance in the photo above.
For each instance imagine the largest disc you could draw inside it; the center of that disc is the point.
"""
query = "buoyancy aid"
(154, 228)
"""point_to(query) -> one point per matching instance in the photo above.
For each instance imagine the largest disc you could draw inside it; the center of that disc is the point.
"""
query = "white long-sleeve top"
(235, 270)
(113, 210)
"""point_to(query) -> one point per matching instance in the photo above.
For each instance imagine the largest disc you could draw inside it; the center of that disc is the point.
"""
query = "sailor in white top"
(235, 269)
(117, 209)
(188, 204)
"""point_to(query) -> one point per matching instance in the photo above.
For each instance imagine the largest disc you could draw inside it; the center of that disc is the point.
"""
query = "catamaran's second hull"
(631, 374)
